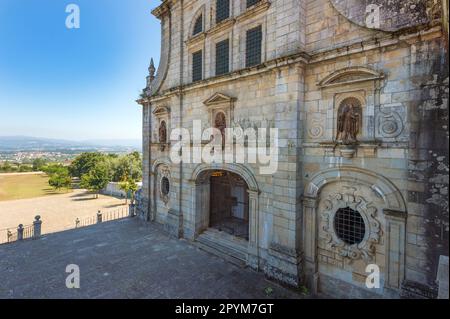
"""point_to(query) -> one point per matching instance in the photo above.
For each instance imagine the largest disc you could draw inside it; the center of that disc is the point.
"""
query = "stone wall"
(316, 56)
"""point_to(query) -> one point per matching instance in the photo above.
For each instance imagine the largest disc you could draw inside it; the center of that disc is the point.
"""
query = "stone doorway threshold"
(224, 245)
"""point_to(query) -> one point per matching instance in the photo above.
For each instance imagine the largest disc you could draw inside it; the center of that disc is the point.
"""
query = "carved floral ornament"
(349, 199)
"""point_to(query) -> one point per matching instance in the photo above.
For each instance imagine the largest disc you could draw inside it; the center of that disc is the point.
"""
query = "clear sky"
(75, 83)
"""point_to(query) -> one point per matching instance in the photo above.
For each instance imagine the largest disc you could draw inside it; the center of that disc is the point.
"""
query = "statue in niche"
(162, 135)
(348, 121)
(221, 125)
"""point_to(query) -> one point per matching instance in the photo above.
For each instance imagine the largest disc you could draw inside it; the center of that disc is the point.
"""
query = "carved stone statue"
(162, 135)
(221, 125)
(348, 123)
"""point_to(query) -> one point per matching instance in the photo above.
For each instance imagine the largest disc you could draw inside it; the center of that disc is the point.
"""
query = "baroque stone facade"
(377, 70)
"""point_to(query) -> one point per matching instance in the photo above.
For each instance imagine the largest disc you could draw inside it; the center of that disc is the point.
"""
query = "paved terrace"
(125, 259)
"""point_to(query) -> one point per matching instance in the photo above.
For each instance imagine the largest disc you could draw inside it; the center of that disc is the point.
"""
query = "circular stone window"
(349, 226)
(165, 186)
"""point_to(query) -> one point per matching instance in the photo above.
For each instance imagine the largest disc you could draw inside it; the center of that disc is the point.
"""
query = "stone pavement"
(125, 259)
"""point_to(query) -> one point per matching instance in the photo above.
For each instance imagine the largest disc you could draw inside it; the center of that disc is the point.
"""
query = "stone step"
(222, 246)
(223, 236)
(238, 246)
(217, 252)
(216, 244)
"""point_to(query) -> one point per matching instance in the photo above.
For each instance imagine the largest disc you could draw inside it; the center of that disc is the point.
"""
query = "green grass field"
(18, 186)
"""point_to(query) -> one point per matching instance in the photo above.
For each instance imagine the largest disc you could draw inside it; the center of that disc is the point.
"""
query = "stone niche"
(360, 87)
(161, 137)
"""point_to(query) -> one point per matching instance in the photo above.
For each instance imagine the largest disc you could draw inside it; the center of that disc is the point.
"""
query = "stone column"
(37, 227)
(20, 232)
(99, 217)
(253, 249)
(200, 206)
(309, 242)
(395, 248)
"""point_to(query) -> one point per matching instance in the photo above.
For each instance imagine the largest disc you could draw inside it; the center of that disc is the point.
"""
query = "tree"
(60, 179)
(129, 186)
(25, 168)
(96, 179)
(127, 167)
(84, 163)
(38, 164)
(53, 168)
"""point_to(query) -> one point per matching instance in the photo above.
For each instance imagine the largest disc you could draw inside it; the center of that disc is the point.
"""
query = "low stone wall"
(112, 189)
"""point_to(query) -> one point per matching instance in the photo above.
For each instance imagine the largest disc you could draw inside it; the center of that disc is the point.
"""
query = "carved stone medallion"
(349, 199)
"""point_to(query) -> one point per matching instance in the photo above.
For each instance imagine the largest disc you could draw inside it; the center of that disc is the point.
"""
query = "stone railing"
(34, 230)
(22, 232)
(101, 217)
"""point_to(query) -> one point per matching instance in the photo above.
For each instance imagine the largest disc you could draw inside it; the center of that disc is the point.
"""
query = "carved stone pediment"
(350, 75)
(161, 111)
(219, 99)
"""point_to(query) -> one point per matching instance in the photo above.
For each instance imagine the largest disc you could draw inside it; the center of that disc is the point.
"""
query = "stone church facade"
(315, 70)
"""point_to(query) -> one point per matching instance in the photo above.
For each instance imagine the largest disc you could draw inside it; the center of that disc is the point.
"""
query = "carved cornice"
(221, 26)
(257, 8)
(162, 9)
(196, 39)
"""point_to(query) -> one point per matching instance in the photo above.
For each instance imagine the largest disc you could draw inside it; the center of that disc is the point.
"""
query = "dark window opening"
(222, 10)
(198, 26)
(349, 226)
(252, 2)
(197, 66)
(165, 186)
(222, 57)
(253, 47)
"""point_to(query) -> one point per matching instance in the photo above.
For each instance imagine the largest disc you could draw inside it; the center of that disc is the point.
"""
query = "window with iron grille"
(222, 10)
(252, 2)
(349, 226)
(198, 26)
(253, 47)
(222, 57)
(197, 66)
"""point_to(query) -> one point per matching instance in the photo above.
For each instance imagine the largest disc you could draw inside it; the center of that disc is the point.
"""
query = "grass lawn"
(22, 186)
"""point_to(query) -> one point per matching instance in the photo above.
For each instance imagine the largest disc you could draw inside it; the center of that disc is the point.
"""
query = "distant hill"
(26, 143)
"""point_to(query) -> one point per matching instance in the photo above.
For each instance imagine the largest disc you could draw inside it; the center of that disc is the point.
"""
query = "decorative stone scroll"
(349, 198)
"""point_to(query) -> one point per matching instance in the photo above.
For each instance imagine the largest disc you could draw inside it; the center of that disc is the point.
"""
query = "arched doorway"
(225, 200)
(228, 209)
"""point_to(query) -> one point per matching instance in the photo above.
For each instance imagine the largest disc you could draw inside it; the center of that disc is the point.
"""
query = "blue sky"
(75, 83)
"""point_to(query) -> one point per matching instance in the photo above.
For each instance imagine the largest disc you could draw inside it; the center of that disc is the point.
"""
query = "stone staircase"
(223, 245)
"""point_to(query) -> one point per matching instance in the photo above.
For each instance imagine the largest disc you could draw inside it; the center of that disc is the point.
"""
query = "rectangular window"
(222, 57)
(222, 10)
(197, 66)
(253, 47)
(252, 2)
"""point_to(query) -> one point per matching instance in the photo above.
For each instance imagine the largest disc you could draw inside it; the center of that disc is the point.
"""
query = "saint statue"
(162, 135)
(221, 125)
(348, 123)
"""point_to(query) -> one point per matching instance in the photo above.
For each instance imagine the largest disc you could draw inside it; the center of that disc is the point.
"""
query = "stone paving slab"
(125, 259)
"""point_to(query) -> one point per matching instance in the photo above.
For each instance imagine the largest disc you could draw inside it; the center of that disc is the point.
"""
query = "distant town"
(19, 153)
